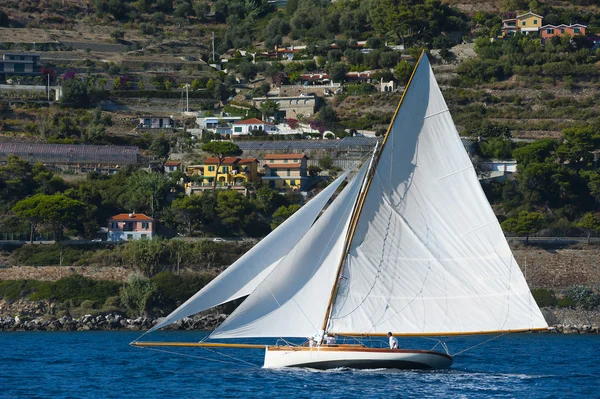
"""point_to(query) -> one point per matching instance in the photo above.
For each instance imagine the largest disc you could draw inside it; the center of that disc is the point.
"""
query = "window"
(224, 169)
(144, 236)
(285, 161)
(524, 23)
(130, 236)
(562, 30)
(550, 31)
(144, 225)
(577, 30)
(271, 161)
(535, 21)
(211, 168)
(288, 172)
(114, 225)
(292, 182)
(237, 129)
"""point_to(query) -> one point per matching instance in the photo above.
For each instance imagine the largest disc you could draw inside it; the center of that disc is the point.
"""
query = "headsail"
(428, 255)
(292, 300)
(244, 275)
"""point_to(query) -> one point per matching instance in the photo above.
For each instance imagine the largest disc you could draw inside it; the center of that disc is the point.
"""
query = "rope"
(196, 357)
(232, 357)
(474, 346)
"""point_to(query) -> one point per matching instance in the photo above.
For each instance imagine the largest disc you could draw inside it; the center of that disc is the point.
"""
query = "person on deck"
(393, 341)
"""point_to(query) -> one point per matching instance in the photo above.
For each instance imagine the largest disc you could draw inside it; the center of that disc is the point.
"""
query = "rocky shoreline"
(115, 321)
(26, 315)
(111, 321)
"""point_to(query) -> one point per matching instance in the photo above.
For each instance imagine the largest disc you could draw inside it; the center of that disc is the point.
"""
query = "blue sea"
(103, 365)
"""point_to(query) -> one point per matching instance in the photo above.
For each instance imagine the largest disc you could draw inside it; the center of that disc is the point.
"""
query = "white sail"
(244, 275)
(292, 300)
(428, 255)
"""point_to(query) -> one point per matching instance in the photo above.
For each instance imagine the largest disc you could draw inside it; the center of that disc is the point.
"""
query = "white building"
(247, 126)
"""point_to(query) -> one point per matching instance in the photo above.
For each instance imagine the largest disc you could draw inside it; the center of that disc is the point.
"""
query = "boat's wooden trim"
(443, 334)
(148, 344)
(361, 201)
(355, 349)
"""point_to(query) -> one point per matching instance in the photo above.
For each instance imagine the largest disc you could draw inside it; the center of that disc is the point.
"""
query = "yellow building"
(524, 23)
(286, 171)
(232, 172)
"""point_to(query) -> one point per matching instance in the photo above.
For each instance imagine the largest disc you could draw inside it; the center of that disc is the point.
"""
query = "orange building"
(549, 31)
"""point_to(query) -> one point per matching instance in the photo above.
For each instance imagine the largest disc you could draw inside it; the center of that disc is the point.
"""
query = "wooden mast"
(361, 201)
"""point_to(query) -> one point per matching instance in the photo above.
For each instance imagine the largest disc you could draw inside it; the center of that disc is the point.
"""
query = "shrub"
(173, 289)
(136, 293)
(544, 297)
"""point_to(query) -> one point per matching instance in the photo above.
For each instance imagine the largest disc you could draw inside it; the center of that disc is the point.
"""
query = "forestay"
(428, 255)
(292, 300)
(244, 275)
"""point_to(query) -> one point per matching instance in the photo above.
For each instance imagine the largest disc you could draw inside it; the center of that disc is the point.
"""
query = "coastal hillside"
(117, 108)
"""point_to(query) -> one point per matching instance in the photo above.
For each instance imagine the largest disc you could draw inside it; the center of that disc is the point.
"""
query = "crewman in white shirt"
(393, 341)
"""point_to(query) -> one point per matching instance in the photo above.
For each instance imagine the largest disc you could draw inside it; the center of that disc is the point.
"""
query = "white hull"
(359, 358)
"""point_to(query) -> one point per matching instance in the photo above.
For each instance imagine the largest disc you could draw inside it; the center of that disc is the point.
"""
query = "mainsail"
(292, 300)
(244, 275)
(428, 256)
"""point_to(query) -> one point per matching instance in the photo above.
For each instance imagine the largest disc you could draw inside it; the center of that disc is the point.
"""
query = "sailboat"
(410, 246)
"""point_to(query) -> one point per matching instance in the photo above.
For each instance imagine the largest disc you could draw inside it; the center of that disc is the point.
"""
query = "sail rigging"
(244, 275)
(428, 255)
(292, 300)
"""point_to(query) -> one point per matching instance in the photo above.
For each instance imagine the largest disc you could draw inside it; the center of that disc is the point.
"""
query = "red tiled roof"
(172, 163)
(136, 216)
(285, 156)
(283, 165)
(251, 121)
(227, 160)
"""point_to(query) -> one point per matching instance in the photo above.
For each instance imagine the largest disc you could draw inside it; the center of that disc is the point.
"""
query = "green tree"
(220, 150)
(269, 108)
(233, 209)
(526, 223)
(248, 70)
(536, 152)
(30, 209)
(118, 35)
(75, 93)
(144, 192)
(136, 295)
(282, 214)
(326, 162)
(496, 147)
(57, 210)
(267, 200)
(314, 170)
(403, 70)
(577, 146)
(338, 72)
(188, 211)
(590, 223)
(148, 256)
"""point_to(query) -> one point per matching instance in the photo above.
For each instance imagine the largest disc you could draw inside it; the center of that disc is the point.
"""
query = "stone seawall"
(559, 268)
(553, 268)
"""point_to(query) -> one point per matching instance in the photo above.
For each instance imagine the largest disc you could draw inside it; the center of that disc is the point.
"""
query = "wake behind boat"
(411, 245)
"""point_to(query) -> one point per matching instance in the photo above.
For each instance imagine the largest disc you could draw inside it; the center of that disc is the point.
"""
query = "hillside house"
(524, 23)
(286, 171)
(232, 172)
(247, 126)
(130, 226)
(19, 64)
(550, 31)
(291, 107)
(172, 166)
(156, 122)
